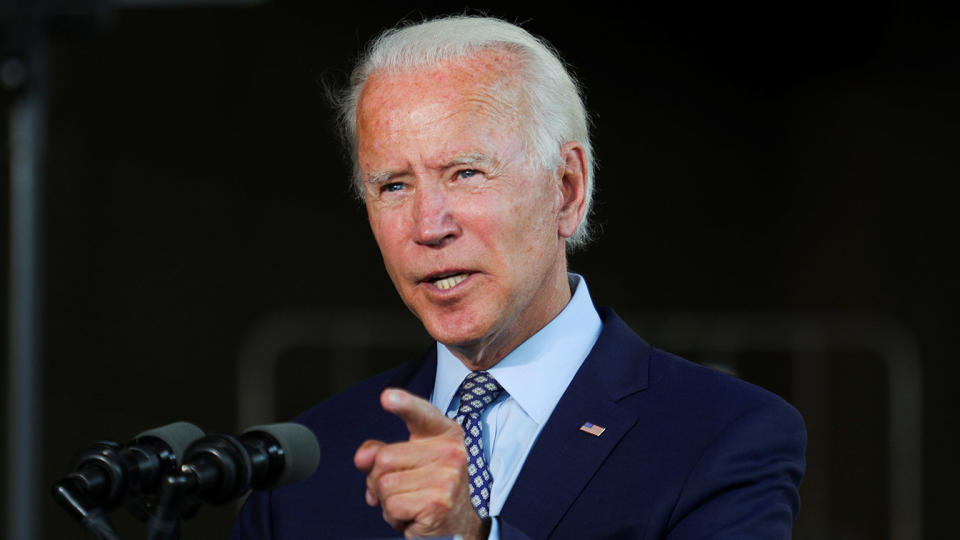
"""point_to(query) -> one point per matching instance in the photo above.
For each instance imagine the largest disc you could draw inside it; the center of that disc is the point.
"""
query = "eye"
(467, 173)
(392, 187)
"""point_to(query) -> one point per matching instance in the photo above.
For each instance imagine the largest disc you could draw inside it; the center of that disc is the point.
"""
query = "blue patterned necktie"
(477, 391)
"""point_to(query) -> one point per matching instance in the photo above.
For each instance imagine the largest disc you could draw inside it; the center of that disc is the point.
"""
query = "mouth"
(447, 280)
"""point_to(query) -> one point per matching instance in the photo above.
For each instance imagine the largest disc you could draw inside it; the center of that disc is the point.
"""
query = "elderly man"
(534, 415)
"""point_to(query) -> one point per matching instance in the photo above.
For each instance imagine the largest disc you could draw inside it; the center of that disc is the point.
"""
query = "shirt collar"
(551, 357)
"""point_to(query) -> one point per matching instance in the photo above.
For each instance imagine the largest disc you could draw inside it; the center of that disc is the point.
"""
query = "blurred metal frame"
(809, 337)
(277, 333)
(27, 127)
(718, 336)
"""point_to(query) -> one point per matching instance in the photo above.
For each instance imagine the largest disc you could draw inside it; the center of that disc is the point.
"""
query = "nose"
(435, 224)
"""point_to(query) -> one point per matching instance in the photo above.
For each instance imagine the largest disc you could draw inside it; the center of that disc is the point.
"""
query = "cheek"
(535, 215)
(516, 230)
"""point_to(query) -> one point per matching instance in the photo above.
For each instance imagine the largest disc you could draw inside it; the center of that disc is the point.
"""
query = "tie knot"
(478, 390)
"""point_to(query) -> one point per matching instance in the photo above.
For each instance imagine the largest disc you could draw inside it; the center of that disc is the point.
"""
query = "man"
(473, 160)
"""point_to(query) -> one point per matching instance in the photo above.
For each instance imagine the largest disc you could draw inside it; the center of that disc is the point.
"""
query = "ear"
(573, 189)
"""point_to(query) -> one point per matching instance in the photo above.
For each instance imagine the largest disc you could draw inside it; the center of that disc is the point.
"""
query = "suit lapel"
(564, 459)
(417, 377)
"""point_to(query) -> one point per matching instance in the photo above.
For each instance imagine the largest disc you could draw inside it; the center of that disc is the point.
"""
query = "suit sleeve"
(254, 520)
(745, 484)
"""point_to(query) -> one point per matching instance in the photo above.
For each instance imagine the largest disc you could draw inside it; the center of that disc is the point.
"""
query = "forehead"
(405, 102)
(492, 70)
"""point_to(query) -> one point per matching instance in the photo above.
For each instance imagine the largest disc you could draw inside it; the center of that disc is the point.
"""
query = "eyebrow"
(468, 159)
(382, 177)
(494, 165)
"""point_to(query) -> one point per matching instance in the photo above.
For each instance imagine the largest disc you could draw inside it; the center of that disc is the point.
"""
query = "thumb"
(421, 417)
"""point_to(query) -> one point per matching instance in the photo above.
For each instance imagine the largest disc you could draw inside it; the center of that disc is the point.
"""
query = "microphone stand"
(80, 506)
(175, 502)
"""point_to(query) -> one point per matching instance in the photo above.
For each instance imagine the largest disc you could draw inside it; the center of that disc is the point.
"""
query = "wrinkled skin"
(422, 484)
(450, 191)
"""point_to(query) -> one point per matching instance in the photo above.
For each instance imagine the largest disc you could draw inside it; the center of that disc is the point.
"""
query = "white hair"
(551, 95)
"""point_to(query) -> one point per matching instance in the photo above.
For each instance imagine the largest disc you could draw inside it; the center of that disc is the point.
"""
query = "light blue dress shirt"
(535, 376)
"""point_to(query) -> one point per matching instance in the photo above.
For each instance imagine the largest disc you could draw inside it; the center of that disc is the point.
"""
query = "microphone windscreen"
(178, 436)
(301, 451)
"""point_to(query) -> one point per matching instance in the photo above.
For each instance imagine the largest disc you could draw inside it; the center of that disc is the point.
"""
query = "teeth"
(448, 282)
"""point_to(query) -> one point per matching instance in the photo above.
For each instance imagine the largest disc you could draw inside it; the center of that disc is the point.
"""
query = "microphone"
(220, 468)
(105, 474)
(108, 473)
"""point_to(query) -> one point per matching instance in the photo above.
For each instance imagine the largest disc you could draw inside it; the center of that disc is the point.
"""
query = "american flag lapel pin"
(592, 429)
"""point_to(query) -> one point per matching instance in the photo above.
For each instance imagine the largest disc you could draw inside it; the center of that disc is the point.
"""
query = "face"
(471, 234)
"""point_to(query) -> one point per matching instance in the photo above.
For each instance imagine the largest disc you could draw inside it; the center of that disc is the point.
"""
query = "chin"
(454, 337)
(456, 331)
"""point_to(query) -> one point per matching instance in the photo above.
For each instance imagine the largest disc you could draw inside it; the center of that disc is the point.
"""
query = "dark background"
(793, 161)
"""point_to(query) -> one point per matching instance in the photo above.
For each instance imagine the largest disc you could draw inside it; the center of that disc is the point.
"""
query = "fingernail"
(394, 397)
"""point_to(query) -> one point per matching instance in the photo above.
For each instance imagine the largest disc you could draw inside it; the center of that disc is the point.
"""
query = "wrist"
(480, 530)
(485, 525)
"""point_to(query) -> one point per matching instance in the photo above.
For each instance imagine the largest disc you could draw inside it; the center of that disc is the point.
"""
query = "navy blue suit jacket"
(687, 453)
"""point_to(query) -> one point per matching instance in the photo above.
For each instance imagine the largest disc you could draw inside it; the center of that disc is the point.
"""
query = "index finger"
(422, 418)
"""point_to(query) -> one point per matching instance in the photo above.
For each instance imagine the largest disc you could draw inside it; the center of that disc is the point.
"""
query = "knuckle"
(386, 457)
(390, 507)
(438, 506)
(429, 523)
(455, 452)
(456, 430)
(387, 482)
(451, 482)
(447, 483)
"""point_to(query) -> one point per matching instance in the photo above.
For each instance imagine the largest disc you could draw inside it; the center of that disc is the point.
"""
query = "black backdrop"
(797, 159)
